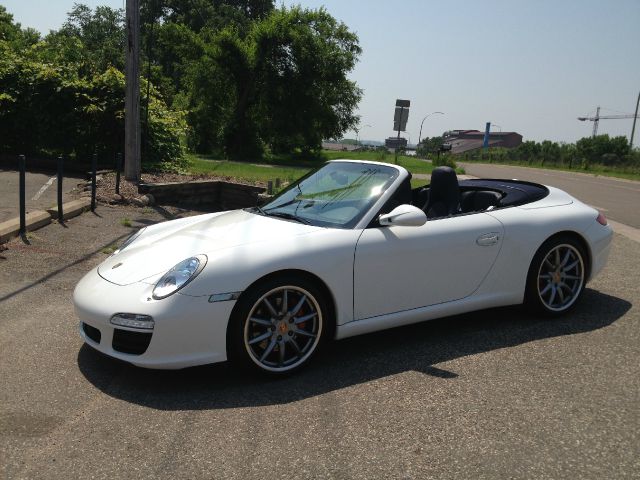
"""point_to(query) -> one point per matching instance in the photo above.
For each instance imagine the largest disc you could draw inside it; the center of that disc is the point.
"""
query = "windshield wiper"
(288, 216)
(257, 208)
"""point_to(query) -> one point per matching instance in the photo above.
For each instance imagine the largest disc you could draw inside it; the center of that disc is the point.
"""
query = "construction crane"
(599, 117)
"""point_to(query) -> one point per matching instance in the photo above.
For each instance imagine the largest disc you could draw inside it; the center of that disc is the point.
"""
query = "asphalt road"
(497, 394)
(618, 199)
(40, 192)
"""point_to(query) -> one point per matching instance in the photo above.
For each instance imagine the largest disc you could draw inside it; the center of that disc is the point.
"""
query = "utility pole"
(132, 96)
(595, 123)
(633, 129)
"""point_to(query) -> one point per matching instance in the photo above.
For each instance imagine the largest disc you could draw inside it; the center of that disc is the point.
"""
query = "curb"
(40, 218)
(71, 209)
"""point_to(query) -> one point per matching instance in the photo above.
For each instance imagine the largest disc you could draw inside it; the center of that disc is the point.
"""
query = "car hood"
(162, 246)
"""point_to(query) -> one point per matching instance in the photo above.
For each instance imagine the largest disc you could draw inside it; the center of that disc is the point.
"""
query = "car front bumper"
(188, 330)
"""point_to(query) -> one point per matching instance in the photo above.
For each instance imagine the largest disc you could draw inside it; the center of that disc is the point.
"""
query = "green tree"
(13, 34)
(303, 58)
(549, 152)
(594, 149)
(50, 102)
(429, 145)
(287, 84)
(101, 36)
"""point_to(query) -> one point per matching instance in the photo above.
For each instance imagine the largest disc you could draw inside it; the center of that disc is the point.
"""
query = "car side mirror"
(404, 216)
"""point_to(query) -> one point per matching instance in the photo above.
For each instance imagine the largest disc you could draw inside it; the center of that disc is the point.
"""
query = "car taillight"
(602, 220)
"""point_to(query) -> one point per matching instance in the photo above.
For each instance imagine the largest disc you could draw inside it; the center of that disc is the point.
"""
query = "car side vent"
(92, 332)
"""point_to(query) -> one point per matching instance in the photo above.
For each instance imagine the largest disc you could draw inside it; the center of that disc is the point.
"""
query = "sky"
(527, 66)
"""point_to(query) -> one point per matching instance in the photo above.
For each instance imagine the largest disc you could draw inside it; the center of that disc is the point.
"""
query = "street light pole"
(421, 123)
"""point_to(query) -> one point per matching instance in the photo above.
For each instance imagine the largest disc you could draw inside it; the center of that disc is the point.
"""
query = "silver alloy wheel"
(560, 277)
(283, 328)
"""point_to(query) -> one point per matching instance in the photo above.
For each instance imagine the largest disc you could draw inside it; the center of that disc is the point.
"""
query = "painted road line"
(43, 188)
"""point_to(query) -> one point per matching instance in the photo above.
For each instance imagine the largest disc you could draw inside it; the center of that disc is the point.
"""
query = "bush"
(444, 161)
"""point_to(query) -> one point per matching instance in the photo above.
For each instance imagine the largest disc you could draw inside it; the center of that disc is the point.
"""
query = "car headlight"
(130, 239)
(179, 276)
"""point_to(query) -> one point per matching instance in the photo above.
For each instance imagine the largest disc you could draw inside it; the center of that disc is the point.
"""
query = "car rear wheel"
(278, 325)
(557, 276)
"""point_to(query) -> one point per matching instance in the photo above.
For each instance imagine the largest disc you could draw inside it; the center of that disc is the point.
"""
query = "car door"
(399, 268)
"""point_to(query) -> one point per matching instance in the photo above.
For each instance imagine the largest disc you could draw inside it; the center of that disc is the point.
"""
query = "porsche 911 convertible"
(348, 249)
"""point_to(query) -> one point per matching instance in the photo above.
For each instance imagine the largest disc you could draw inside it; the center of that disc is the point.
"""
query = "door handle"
(488, 239)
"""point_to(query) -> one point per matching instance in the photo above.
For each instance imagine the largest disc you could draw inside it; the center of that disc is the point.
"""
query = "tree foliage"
(253, 76)
(236, 77)
(429, 145)
(65, 93)
(600, 150)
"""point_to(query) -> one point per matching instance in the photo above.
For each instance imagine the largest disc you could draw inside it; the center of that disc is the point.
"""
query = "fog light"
(133, 320)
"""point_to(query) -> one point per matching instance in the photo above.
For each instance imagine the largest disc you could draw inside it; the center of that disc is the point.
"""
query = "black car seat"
(402, 196)
(479, 200)
(444, 193)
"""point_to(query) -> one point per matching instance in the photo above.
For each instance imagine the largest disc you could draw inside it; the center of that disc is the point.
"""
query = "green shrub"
(444, 161)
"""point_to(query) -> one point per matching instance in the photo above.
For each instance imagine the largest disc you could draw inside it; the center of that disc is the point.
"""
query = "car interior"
(444, 196)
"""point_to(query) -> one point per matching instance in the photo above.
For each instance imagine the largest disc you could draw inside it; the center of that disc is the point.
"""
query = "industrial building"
(393, 142)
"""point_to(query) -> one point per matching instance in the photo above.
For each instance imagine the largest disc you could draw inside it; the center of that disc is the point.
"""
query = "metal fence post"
(94, 167)
(23, 220)
(118, 168)
(60, 212)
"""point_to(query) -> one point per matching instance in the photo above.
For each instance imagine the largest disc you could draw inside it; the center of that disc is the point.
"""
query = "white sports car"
(348, 249)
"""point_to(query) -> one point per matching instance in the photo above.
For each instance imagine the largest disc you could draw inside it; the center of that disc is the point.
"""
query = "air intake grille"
(92, 332)
(134, 343)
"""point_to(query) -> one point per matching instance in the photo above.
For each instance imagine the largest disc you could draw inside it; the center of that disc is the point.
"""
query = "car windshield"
(336, 195)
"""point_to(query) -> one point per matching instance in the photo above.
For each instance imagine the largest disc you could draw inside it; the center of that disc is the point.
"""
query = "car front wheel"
(278, 325)
(557, 276)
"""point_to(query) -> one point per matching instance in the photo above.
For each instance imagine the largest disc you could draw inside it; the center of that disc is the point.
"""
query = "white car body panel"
(377, 276)
(402, 268)
(176, 318)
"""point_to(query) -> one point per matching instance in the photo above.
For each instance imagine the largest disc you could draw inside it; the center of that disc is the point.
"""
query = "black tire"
(557, 276)
(263, 336)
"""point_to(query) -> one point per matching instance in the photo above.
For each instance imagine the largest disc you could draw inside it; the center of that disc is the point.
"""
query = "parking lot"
(40, 191)
(496, 394)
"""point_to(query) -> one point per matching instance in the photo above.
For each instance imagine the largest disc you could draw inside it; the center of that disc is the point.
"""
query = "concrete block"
(34, 220)
(71, 209)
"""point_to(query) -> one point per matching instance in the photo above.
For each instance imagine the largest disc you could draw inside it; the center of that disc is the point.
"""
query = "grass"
(291, 167)
(246, 172)
(110, 249)
(125, 222)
